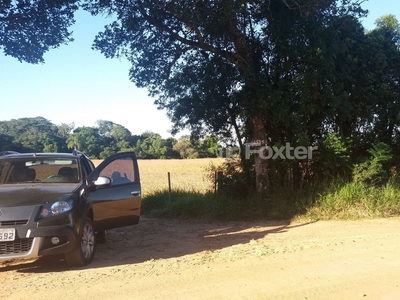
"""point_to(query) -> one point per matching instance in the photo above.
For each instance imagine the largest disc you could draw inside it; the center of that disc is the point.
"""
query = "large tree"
(384, 60)
(115, 138)
(29, 28)
(230, 58)
(151, 146)
(86, 139)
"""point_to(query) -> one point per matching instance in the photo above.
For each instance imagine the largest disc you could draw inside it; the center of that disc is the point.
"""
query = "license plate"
(7, 234)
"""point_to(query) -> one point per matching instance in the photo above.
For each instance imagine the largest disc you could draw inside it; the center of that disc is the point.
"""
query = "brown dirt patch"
(175, 259)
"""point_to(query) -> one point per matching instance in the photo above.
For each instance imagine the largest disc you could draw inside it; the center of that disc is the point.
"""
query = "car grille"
(17, 246)
(13, 223)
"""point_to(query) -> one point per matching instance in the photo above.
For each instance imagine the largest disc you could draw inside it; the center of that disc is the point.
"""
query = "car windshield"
(38, 170)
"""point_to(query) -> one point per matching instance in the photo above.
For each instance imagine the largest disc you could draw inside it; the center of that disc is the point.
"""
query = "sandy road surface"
(175, 259)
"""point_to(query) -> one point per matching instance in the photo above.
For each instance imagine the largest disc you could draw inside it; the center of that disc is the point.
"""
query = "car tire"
(84, 253)
(101, 236)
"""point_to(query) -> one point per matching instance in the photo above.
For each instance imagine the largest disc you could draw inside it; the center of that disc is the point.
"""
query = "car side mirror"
(102, 181)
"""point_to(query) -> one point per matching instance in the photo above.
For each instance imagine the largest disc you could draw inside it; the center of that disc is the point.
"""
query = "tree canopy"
(302, 72)
(29, 28)
(40, 135)
(266, 70)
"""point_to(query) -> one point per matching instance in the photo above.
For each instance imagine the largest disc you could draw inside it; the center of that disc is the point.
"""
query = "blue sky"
(79, 85)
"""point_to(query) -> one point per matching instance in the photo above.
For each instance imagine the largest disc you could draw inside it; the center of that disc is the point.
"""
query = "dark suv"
(52, 203)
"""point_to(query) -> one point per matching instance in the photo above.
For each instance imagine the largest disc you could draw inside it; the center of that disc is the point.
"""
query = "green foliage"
(28, 29)
(39, 134)
(50, 148)
(106, 152)
(64, 130)
(273, 71)
(87, 140)
(184, 204)
(391, 24)
(372, 171)
(185, 148)
(266, 70)
(332, 158)
(151, 146)
(355, 200)
(31, 134)
(208, 147)
(6, 142)
(380, 152)
(230, 179)
(337, 200)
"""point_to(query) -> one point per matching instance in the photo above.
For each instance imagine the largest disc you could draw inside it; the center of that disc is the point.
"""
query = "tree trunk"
(260, 163)
(243, 161)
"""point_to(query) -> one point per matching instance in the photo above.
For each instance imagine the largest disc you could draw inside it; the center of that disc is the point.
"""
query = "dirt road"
(175, 259)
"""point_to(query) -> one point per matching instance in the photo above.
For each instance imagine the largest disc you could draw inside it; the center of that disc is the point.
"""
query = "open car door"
(117, 202)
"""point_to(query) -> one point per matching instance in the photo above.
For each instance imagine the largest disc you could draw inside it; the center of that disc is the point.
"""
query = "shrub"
(372, 171)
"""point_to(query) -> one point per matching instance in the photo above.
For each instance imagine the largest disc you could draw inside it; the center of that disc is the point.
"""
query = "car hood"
(33, 194)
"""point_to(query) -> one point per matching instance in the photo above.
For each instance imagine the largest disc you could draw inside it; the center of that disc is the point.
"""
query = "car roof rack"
(76, 152)
(8, 152)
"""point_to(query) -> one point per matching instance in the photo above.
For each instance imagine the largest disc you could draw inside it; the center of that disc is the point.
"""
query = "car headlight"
(55, 208)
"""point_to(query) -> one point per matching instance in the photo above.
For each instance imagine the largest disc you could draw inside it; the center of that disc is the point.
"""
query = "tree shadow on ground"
(154, 239)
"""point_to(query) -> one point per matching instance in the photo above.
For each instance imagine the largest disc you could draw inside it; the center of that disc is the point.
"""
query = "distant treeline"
(40, 135)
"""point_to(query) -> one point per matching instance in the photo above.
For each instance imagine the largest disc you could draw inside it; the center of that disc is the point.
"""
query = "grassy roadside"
(345, 201)
(355, 201)
(193, 196)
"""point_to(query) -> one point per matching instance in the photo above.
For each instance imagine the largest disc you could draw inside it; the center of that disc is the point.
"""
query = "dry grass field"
(185, 174)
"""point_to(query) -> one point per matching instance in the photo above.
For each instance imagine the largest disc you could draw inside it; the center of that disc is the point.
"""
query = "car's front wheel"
(84, 253)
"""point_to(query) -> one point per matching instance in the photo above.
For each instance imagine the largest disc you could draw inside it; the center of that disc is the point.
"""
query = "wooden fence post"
(220, 176)
(169, 186)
